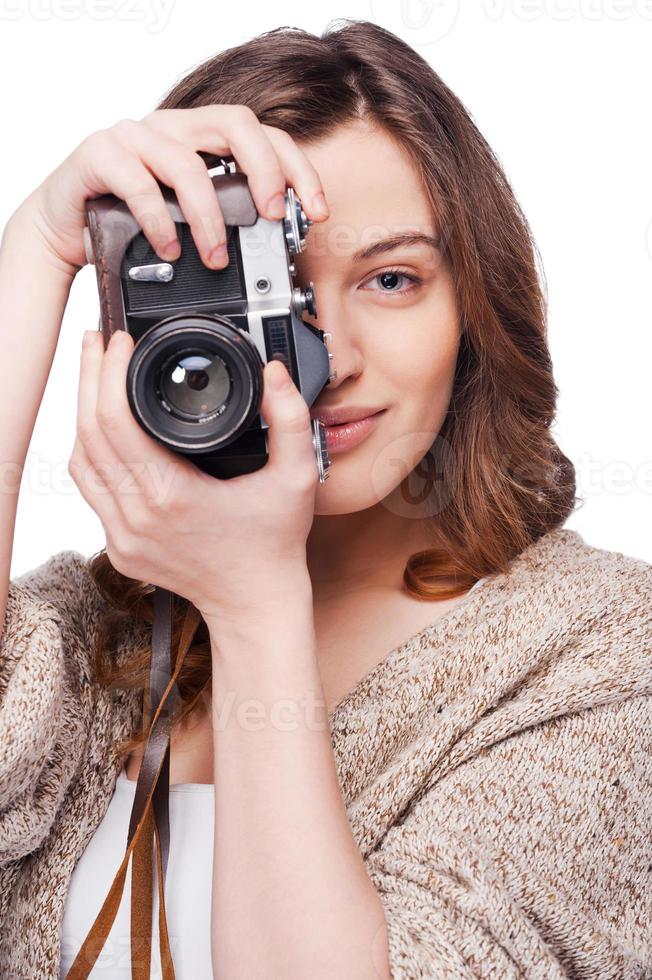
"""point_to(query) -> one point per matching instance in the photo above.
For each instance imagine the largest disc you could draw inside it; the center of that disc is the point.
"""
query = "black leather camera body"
(202, 336)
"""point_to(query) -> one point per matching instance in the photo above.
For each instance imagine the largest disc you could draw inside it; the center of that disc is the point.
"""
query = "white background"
(560, 89)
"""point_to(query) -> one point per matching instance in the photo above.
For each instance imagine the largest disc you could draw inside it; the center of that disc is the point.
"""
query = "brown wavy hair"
(507, 482)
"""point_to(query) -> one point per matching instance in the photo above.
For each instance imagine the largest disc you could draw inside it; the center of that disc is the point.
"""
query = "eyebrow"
(388, 244)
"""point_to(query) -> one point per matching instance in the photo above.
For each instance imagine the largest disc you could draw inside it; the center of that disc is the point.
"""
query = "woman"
(474, 802)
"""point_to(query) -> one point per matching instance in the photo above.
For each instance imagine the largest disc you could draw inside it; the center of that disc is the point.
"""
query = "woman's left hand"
(222, 544)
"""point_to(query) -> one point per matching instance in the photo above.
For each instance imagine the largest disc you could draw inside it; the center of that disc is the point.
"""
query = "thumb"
(287, 414)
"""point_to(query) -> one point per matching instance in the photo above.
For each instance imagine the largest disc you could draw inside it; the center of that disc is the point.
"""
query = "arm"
(291, 896)
(34, 289)
(40, 611)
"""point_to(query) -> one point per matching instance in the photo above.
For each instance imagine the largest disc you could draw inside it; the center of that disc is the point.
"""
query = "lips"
(340, 416)
(346, 435)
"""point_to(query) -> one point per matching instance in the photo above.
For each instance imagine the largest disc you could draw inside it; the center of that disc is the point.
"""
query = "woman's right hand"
(127, 159)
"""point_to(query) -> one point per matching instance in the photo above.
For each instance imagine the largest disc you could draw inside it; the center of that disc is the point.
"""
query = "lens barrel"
(195, 382)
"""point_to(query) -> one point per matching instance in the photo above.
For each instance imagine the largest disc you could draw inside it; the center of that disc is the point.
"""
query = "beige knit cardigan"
(496, 768)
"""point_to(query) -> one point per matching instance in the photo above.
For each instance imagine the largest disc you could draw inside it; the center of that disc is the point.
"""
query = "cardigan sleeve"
(45, 695)
(533, 859)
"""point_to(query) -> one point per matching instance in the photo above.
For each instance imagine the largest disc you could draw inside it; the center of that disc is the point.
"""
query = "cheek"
(413, 367)
(420, 375)
(421, 371)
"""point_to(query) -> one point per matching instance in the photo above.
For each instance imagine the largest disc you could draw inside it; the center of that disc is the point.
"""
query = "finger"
(289, 434)
(155, 469)
(300, 173)
(93, 488)
(178, 166)
(105, 165)
(97, 449)
(231, 129)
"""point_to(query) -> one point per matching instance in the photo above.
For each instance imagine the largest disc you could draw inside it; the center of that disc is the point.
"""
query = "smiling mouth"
(346, 435)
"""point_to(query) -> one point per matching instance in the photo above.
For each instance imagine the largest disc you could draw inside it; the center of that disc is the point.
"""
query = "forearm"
(291, 896)
(33, 295)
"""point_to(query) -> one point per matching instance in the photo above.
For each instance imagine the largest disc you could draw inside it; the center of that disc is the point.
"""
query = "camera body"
(202, 336)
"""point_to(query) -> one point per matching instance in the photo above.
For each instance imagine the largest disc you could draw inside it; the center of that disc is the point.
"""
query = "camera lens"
(194, 385)
(195, 381)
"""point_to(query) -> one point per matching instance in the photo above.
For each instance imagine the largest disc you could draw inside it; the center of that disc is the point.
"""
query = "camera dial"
(296, 223)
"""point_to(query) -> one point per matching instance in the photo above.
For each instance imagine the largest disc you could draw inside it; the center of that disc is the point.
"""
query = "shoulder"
(55, 574)
(57, 598)
(64, 585)
(567, 629)
(563, 578)
(566, 553)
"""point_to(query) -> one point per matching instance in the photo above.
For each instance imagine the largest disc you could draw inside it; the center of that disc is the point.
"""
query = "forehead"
(371, 184)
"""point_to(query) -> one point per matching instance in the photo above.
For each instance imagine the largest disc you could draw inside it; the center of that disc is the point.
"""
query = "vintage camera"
(202, 336)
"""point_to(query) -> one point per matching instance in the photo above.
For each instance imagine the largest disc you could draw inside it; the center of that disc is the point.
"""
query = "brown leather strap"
(141, 928)
(167, 967)
(156, 751)
(160, 671)
(142, 893)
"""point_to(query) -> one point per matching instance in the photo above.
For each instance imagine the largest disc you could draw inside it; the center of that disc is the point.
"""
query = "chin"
(354, 485)
(341, 499)
(366, 476)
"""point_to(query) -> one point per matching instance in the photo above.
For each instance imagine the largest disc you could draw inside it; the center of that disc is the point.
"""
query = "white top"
(188, 885)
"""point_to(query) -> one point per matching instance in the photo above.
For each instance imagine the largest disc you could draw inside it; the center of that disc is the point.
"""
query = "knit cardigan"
(496, 769)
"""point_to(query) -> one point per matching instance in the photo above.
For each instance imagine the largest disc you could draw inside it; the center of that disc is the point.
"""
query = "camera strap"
(150, 813)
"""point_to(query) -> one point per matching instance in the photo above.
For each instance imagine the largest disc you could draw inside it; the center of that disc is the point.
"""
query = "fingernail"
(89, 337)
(171, 250)
(278, 377)
(276, 207)
(218, 255)
(319, 204)
(122, 337)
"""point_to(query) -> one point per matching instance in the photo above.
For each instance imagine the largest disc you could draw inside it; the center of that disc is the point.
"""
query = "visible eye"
(389, 280)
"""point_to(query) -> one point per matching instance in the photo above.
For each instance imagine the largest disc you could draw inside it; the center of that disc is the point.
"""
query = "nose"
(348, 359)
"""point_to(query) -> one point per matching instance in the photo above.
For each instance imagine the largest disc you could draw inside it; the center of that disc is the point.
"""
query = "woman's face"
(394, 340)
